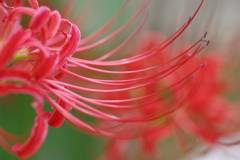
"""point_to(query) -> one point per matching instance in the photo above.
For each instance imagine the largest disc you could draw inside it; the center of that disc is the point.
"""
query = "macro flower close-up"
(104, 80)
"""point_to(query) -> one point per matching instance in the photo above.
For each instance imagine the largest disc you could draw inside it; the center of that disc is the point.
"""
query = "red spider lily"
(80, 103)
(207, 112)
(203, 116)
(26, 60)
(35, 59)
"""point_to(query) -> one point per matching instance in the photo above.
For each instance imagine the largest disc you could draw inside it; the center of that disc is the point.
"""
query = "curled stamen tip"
(205, 35)
(208, 42)
(189, 19)
(203, 64)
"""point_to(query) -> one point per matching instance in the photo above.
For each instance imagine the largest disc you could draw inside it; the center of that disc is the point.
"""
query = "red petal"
(12, 44)
(71, 43)
(37, 137)
(40, 18)
(33, 3)
(57, 119)
(54, 23)
(14, 74)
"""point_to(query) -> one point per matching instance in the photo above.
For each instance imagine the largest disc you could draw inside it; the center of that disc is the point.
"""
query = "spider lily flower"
(34, 60)
(204, 116)
(27, 60)
(80, 103)
(19, 44)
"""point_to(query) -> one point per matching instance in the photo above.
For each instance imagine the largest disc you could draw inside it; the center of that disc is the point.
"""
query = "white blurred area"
(217, 152)
(218, 17)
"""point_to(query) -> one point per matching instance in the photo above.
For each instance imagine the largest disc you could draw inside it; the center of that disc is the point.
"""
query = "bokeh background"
(219, 17)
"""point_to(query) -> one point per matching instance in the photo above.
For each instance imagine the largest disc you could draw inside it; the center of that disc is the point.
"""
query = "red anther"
(205, 35)
(208, 42)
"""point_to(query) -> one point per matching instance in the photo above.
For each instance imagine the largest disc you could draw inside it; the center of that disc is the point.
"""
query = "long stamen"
(104, 40)
(102, 30)
(125, 82)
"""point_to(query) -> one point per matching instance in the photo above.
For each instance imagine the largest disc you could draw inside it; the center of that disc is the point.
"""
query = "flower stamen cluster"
(41, 54)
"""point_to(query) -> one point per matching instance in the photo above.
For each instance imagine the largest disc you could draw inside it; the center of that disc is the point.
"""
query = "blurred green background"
(64, 143)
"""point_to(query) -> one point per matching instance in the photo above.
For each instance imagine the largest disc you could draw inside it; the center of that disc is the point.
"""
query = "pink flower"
(189, 102)
(34, 60)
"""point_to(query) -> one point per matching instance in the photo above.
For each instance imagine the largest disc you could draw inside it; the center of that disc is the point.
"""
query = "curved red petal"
(37, 137)
(40, 18)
